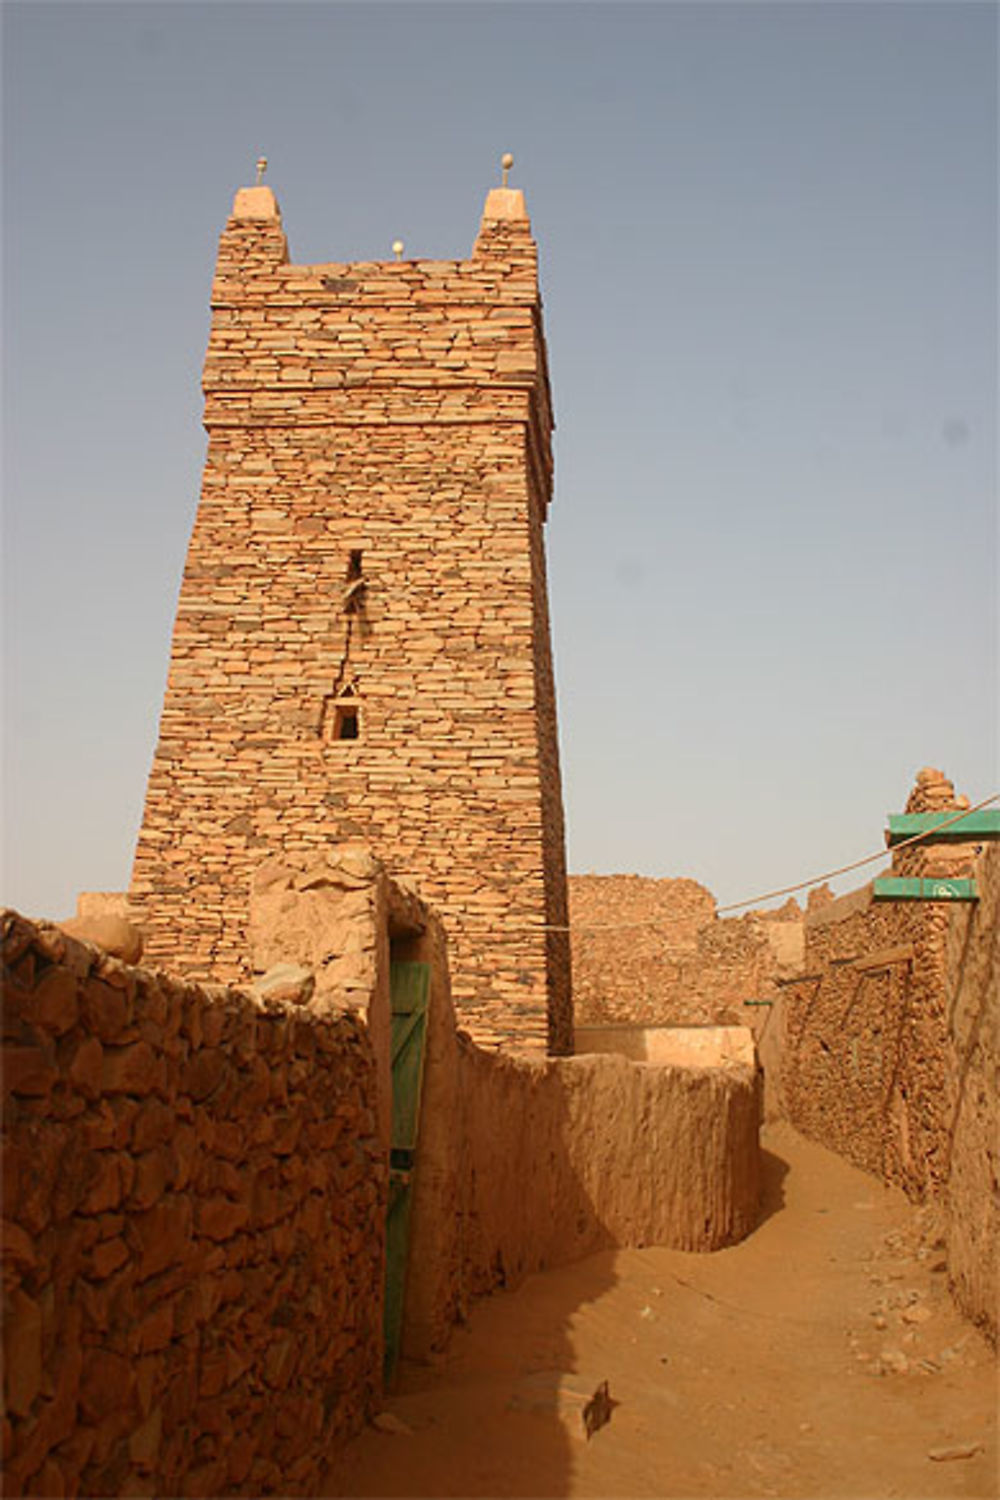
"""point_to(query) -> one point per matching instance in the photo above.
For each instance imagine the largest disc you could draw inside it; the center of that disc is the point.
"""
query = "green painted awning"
(899, 888)
(974, 827)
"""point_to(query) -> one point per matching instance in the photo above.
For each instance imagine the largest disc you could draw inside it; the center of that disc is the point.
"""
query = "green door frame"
(409, 991)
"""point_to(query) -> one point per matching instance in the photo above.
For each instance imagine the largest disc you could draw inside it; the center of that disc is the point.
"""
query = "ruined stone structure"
(362, 639)
(653, 953)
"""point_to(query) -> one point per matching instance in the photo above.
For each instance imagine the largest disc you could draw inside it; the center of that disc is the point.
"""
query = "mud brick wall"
(194, 1199)
(653, 953)
(890, 1045)
(528, 1163)
(370, 540)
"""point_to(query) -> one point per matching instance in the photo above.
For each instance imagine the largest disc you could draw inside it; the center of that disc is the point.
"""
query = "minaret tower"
(362, 643)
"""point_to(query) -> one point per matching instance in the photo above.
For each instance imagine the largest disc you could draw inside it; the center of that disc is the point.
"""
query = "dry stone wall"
(653, 953)
(972, 1197)
(362, 640)
(194, 1199)
(890, 1046)
(865, 1038)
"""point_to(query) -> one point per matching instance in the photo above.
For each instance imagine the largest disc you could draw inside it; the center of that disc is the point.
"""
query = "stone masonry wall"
(972, 1198)
(369, 544)
(890, 1048)
(865, 1045)
(653, 953)
(194, 1200)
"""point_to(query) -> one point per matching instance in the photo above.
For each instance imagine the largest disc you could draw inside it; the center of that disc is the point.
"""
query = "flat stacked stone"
(194, 1186)
(934, 792)
(378, 474)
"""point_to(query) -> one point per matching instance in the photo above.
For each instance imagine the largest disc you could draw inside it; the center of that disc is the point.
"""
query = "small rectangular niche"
(346, 722)
(341, 720)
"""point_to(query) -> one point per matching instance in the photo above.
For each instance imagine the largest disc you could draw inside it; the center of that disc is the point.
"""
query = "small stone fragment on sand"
(950, 1451)
(386, 1422)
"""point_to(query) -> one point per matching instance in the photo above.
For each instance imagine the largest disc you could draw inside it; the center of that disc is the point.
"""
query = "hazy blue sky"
(768, 246)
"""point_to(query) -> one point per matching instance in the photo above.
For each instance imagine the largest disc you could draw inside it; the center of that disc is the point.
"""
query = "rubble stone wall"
(653, 953)
(890, 1045)
(865, 1043)
(194, 1201)
(972, 1198)
(369, 543)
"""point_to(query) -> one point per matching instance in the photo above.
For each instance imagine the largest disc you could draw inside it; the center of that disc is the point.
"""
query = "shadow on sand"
(773, 1171)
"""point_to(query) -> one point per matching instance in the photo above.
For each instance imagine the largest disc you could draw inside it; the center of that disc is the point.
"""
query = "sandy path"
(760, 1370)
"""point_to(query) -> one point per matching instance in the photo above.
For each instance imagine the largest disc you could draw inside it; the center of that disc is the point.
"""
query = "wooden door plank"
(409, 989)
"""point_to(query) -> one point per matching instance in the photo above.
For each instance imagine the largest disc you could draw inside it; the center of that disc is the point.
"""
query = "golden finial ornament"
(261, 169)
(506, 161)
(397, 249)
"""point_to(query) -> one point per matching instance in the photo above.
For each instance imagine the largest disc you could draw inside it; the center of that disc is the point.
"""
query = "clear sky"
(769, 264)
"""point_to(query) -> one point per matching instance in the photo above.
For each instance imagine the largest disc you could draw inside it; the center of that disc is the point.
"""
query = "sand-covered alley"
(821, 1357)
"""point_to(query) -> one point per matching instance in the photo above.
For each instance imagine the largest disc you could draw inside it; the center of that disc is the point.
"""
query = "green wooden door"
(409, 987)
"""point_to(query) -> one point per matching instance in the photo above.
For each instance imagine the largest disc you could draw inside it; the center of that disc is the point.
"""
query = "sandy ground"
(822, 1357)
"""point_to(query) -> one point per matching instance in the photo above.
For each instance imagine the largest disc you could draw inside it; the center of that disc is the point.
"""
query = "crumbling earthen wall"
(890, 1045)
(652, 952)
(368, 559)
(525, 1164)
(194, 1203)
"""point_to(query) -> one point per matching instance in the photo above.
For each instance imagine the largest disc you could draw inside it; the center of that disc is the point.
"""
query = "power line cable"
(785, 890)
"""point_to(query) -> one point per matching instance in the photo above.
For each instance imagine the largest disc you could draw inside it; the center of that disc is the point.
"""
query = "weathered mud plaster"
(687, 1046)
(525, 1164)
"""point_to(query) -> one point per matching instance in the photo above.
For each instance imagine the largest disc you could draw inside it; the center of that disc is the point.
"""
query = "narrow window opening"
(341, 715)
(353, 598)
(345, 722)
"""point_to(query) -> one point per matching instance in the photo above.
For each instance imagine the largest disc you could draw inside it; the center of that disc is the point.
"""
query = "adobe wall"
(371, 522)
(690, 1046)
(652, 954)
(525, 1164)
(194, 1201)
(891, 1049)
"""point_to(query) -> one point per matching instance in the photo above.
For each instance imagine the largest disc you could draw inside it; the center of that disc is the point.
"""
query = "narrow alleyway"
(822, 1357)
